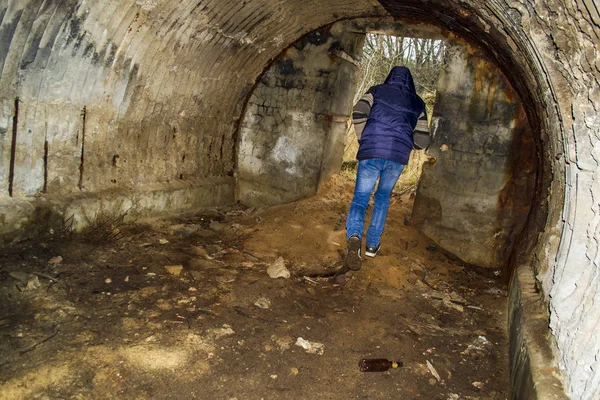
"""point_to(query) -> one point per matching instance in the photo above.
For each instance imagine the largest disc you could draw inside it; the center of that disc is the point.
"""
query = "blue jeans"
(369, 170)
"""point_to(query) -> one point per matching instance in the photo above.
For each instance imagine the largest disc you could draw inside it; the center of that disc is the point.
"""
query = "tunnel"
(148, 107)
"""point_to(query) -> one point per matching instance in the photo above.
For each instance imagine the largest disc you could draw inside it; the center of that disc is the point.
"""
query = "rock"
(216, 226)
(225, 279)
(218, 333)
(163, 241)
(283, 343)
(29, 281)
(201, 252)
(196, 275)
(263, 302)
(202, 264)
(186, 230)
(444, 147)
(311, 347)
(278, 269)
(174, 269)
(478, 385)
(340, 279)
(433, 371)
(55, 260)
(294, 371)
(108, 280)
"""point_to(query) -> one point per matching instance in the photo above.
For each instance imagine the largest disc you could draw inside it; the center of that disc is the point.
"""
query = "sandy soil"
(183, 308)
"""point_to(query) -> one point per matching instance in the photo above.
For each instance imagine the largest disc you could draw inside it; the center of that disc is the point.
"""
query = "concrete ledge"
(533, 375)
(27, 217)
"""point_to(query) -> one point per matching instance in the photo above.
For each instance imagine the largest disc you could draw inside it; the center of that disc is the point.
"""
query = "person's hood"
(401, 76)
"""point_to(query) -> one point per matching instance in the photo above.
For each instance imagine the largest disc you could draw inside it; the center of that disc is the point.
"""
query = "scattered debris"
(174, 270)
(201, 252)
(216, 226)
(185, 230)
(55, 260)
(340, 279)
(108, 280)
(196, 275)
(218, 333)
(225, 279)
(263, 303)
(433, 371)
(29, 281)
(284, 343)
(496, 292)
(478, 345)
(163, 241)
(478, 385)
(311, 347)
(444, 147)
(278, 269)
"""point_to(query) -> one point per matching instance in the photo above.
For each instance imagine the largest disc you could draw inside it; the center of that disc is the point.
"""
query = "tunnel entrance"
(480, 170)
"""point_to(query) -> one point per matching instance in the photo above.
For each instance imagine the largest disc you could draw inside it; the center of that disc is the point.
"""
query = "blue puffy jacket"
(396, 109)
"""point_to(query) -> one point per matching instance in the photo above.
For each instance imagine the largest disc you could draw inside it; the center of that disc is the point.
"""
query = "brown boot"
(353, 247)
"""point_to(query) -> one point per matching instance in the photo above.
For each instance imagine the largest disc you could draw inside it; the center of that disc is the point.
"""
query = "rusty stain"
(516, 198)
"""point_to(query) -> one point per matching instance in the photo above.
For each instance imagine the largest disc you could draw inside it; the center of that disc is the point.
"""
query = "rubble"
(278, 269)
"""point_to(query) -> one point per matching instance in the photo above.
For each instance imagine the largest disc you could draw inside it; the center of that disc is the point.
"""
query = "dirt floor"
(184, 308)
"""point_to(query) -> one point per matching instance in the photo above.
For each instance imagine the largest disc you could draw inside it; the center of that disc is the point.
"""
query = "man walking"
(390, 120)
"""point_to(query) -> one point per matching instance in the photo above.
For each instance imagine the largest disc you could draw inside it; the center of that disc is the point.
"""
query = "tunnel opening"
(481, 169)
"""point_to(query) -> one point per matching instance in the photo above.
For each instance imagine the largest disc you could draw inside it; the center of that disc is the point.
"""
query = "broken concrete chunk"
(218, 333)
(311, 347)
(201, 252)
(196, 275)
(185, 230)
(55, 260)
(29, 281)
(263, 303)
(433, 371)
(278, 269)
(174, 269)
(216, 226)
